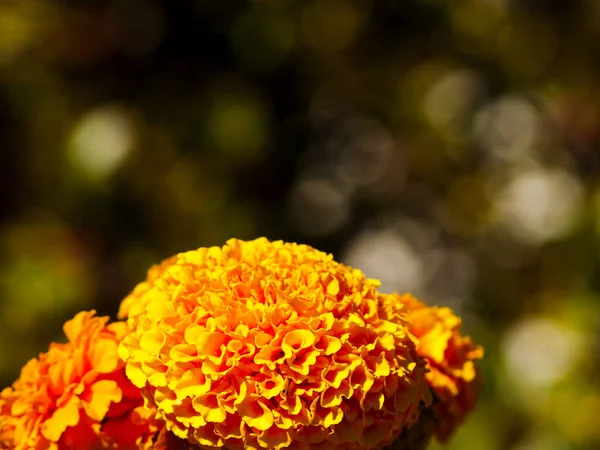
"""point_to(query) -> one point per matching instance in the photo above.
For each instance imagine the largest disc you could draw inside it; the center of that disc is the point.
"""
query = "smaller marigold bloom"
(270, 345)
(76, 396)
(450, 357)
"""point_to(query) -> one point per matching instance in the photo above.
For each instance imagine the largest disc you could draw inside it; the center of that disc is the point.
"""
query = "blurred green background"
(447, 147)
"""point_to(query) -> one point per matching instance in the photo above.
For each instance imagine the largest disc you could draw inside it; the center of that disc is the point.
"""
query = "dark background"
(447, 147)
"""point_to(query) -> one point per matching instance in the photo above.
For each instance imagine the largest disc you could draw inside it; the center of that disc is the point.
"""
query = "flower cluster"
(452, 373)
(253, 345)
(77, 395)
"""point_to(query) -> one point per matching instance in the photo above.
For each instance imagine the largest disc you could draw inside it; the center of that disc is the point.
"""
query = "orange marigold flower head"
(77, 395)
(270, 345)
(450, 356)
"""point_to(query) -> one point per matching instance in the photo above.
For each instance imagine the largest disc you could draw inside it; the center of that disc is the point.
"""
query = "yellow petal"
(104, 356)
(256, 415)
(102, 394)
(135, 374)
(297, 340)
(68, 416)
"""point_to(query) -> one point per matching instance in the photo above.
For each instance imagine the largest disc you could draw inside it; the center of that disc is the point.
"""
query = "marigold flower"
(270, 345)
(76, 396)
(450, 357)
